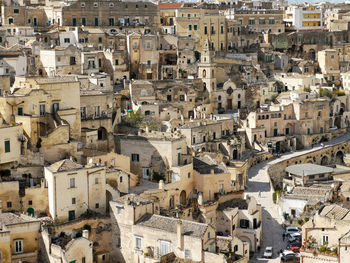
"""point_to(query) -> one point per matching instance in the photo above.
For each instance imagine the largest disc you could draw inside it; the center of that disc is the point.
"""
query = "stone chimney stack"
(86, 233)
(200, 198)
(161, 184)
(180, 235)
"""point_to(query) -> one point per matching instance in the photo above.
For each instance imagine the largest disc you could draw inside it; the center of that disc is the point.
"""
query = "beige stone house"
(19, 238)
(84, 188)
(242, 219)
(142, 234)
(327, 228)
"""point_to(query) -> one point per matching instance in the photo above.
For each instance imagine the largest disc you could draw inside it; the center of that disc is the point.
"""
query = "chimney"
(200, 198)
(161, 184)
(86, 233)
(180, 235)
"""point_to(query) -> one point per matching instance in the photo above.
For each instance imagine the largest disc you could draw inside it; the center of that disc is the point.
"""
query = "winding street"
(271, 222)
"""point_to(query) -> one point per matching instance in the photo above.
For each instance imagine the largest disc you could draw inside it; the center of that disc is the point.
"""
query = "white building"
(303, 18)
(73, 189)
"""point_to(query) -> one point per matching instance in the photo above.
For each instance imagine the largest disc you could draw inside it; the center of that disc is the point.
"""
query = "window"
(30, 202)
(262, 21)
(100, 40)
(148, 45)
(271, 21)
(119, 210)
(189, 175)
(251, 22)
(121, 179)
(135, 157)
(82, 112)
(111, 21)
(189, 27)
(42, 109)
(95, 4)
(96, 21)
(67, 40)
(73, 201)
(10, 21)
(97, 111)
(83, 21)
(111, 4)
(97, 205)
(72, 61)
(244, 223)
(96, 180)
(187, 253)
(222, 29)
(82, 4)
(138, 242)
(72, 182)
(195, 27)
(18, 246)
(20, 111)
(9, 204)
(7, 146)
(205, 30)
(83, 260)
(325, 239)
(164, 247)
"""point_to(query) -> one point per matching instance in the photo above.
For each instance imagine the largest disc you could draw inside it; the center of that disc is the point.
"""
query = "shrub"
(306, 219)
(274, 197)
(300, 221)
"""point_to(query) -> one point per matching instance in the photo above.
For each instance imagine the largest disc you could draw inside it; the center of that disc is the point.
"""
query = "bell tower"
(206, 68)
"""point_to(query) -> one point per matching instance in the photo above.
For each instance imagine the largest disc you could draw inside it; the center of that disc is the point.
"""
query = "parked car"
(294, 246)
(268, 252)
(291, 257)
(292, 229)
(294, 237)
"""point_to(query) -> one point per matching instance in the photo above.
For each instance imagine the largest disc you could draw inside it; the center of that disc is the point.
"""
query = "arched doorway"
(324, 160)
(101, 134)
(312, 54)
(339, 157)
(246, 239)
(183, 197)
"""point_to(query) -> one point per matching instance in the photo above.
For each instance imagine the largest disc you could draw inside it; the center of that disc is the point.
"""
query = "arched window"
(212, 73)
(204, 73)
(219, 97)
(239, 96)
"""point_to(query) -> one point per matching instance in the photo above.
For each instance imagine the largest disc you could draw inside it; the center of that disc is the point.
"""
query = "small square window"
(73, 201)
(97, 205)
(30, 202)
(96, 180)
(9, 204)
(16, 11)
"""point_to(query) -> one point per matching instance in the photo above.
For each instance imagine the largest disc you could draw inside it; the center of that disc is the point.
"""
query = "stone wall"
(324, 156)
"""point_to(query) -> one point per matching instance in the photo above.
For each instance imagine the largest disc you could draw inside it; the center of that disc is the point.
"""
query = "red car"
(294, 246)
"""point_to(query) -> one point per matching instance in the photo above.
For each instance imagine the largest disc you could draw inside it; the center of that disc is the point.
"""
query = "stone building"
(111, 14)
(261, 20)
(138, 226)
(242, 219)
(86, 189)
(19, 238)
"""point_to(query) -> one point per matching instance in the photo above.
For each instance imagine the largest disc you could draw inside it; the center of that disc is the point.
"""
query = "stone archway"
(183, 197)
(339, 157)
(247, 239)
(324, 160)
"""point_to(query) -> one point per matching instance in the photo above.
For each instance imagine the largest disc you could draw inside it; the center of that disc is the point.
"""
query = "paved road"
(271, 221)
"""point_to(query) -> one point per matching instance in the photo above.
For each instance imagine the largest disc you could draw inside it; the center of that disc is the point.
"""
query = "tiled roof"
(335, 212)
(169, 224)
(10, 218)
(233, 203)
(65, 165)
(170, 5)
